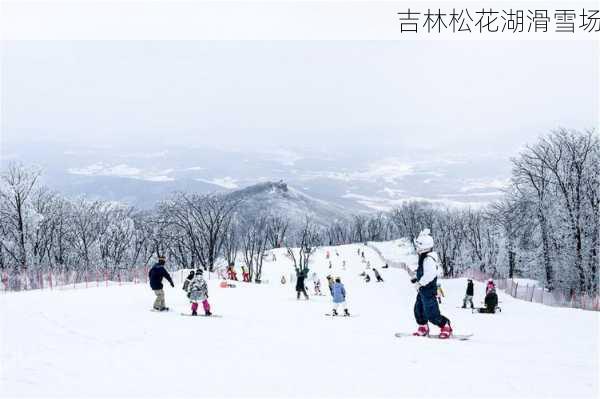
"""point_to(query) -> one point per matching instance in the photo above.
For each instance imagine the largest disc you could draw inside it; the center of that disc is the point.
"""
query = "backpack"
(438, 265)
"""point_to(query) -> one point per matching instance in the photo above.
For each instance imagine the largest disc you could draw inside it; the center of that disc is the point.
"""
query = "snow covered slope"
(105, 342)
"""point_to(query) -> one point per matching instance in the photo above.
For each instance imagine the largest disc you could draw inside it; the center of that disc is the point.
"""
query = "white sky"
(449, 95)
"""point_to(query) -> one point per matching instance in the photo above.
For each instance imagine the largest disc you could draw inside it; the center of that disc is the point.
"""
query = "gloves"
(172, 285)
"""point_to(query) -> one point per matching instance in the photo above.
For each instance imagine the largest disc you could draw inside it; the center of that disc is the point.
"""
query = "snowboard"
(201, 315)
(460, 337)
(340, 315)
(160, 311)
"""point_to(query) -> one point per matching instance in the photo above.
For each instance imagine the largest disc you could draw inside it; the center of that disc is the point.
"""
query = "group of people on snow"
(425, 281)
(490, 300)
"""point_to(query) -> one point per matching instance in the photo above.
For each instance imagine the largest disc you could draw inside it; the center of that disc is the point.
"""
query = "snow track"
(104, 342)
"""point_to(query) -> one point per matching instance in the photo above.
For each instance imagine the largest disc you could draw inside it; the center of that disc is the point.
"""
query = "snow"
(104, 342)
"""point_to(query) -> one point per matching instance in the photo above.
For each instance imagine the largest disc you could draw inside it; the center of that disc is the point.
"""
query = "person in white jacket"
(425, 282)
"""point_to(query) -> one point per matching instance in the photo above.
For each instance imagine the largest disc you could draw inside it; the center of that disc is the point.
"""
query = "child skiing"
(339, 297)
(425, 282)
(198, 292)
(440, 293)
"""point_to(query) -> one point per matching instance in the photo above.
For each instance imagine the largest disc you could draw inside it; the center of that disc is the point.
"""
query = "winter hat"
(199, 271)
(424, 241)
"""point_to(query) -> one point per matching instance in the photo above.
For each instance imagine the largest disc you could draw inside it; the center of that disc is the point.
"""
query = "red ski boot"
(422, 331)
(446, 331)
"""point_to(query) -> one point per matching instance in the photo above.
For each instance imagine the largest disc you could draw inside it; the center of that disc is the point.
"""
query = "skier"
(490, 286)
(198, 292)
(300, 288)
(468, 295)
(339, 297)
(440, 293)
(367, 277)
(327, 255)
(343, 265)
(491, 302)
(385, 267)
(282, 279)
(330, 264)
(156, 275)
(377, 276)
(425, 282)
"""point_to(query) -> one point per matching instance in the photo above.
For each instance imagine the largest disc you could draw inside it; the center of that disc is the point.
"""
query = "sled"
(460, 337)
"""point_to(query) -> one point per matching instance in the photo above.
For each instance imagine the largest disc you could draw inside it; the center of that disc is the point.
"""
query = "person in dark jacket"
(468, 295)
(156, 275)
(425, 282)
(491, 302)
(377, 276)
(300, 288)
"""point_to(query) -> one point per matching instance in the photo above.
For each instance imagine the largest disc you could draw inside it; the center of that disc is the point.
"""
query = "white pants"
(336, 305)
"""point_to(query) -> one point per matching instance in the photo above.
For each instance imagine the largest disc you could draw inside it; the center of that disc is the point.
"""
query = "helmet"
(490, 280)
(199, 271)
(424, 241)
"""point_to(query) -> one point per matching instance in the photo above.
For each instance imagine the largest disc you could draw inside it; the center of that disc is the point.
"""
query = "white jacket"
(430, 268)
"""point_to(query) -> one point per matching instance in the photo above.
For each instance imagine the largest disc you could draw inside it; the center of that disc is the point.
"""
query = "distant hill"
(281, 199)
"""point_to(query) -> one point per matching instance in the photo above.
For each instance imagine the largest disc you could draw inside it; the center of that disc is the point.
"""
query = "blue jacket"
(156, 274)
(338, 292)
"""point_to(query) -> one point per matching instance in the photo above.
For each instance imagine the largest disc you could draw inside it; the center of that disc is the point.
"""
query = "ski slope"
(104, 342)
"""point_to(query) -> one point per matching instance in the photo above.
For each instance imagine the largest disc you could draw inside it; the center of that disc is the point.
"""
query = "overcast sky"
(455, 96)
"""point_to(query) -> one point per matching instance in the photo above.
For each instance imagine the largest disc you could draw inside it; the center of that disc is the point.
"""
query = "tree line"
(546, 225)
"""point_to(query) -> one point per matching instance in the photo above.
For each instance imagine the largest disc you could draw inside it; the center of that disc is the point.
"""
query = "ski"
(460, 337)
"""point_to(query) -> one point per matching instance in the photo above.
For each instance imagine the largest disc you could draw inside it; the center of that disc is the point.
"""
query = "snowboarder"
(362, 254)
(491, 302)
(425, 282)
(231, 274)
(300, 288)
(198, 292)
(316, 283)
(385, 267)
(330, 284)
(156, 275)
(245, 275)
(377, 276)
(339, 297)
(439, 293)
(468, 294)
(490, 286)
